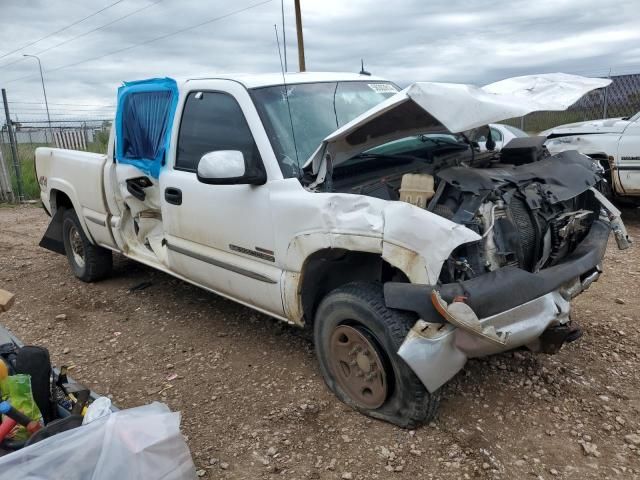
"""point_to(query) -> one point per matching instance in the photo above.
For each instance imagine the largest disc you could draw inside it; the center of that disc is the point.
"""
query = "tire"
(358, 310)
(88, 262)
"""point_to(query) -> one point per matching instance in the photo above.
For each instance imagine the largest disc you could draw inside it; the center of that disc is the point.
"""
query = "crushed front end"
(544, 228)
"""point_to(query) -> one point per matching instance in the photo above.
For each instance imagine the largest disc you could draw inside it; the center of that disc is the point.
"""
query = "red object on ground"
(33, 427)
(6, 426)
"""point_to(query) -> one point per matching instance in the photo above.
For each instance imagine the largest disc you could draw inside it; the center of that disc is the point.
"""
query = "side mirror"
(226, 167)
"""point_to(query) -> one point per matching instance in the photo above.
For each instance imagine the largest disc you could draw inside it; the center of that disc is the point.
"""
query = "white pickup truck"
(614, 142)
(339, 202)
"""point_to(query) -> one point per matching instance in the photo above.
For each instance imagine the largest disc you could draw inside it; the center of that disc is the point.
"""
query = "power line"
(57, 107)
(63, 112)
(67, 121)
(68, 104)
(146, 42)
(84, 34)
(54, 114)
(35, 108)
(63, 29)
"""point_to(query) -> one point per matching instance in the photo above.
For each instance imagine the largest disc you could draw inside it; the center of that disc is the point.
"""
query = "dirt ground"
(254, 405)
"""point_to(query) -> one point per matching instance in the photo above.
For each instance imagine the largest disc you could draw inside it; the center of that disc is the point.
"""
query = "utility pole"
(44, 91)
(303, 68)
(14, 149)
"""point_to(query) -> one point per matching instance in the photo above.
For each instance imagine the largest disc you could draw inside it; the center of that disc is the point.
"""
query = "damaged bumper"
(511, 300)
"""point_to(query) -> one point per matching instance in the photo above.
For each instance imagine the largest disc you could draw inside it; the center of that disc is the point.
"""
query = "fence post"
(606, 98)
(522, 123)
(14, 148)
(5, 182)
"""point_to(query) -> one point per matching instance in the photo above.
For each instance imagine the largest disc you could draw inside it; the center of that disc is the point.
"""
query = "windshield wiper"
(393, 156)
(442, 141)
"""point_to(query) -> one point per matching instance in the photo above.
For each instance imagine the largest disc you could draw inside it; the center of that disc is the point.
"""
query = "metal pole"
(5, 181)
(284, 36)
(606, 98)
(301, 62)
(14, 148)
(44, 91)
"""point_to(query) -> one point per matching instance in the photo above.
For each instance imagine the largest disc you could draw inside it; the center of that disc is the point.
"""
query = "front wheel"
(89, 262)
(356, 339)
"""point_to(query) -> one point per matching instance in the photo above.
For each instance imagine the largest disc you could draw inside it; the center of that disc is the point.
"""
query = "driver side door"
(220, 235)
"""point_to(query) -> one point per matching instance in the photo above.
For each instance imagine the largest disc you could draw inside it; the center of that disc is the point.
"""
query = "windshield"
(635, 117)
(317, 109)
(516, 131)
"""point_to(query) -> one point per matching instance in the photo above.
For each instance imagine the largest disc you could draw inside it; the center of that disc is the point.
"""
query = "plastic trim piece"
(218, 263)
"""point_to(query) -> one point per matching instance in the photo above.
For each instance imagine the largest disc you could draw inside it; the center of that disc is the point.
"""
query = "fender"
(53, 235)
(427, 241)
(301, 248)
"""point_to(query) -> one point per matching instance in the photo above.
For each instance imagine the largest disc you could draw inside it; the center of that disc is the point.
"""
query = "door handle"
(173, 195)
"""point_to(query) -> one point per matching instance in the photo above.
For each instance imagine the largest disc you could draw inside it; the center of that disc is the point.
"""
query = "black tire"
(361, 305)
(89, 262)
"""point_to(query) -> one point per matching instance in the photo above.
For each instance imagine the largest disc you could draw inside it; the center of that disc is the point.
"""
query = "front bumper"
(510, 299)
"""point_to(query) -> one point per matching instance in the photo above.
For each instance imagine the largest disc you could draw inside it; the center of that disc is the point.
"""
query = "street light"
(44, 91)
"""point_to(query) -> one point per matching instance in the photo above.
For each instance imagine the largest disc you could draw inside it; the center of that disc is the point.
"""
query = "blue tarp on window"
(143, 123)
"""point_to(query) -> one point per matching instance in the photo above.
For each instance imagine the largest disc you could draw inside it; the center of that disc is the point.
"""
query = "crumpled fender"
(418, 242)
(415, 241)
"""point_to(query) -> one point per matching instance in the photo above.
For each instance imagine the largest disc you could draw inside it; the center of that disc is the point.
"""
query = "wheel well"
(328, 269)
(59, 199)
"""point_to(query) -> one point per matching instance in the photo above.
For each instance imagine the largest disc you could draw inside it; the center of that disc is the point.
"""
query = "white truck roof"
(256, 80)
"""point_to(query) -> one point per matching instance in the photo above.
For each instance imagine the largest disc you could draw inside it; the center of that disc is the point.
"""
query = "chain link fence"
(620, 99)
(89, 135)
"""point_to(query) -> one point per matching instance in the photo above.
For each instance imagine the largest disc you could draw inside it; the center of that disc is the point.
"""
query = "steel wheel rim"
(77, 248)
(358, 367)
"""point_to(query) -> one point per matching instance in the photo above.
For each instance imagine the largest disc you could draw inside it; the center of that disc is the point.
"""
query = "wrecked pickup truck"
(614, 143)
(341, 203)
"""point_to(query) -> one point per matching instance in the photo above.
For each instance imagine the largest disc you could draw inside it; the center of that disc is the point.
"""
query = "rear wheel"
(356, 338)
(88, 262)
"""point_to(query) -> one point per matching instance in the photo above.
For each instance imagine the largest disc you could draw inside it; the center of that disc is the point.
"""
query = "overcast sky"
(439, 40)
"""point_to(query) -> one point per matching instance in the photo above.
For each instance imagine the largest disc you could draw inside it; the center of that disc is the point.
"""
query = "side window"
(496, 136)
(214, 121)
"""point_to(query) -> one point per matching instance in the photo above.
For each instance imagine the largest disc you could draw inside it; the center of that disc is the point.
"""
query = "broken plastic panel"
(143, 123)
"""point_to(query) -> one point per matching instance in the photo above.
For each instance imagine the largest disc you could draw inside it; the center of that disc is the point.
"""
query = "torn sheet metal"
(623, 240)
(425, 107)
(430, 236)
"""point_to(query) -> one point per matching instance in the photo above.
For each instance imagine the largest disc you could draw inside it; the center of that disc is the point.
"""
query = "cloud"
(405, 41)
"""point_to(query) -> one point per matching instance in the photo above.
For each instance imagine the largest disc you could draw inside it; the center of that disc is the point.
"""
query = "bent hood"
(606, 125)
(426, 107)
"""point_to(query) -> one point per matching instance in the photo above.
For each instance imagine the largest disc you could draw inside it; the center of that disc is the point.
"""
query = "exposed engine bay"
(530, 208)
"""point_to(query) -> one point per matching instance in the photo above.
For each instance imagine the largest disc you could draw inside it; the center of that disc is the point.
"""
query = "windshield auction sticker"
(382, 87)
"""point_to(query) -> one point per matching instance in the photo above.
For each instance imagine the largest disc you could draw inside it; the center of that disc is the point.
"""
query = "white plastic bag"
(138, 443)
(100, 407)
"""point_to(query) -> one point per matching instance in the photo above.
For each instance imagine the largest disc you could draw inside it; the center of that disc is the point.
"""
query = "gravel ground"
(254, 405)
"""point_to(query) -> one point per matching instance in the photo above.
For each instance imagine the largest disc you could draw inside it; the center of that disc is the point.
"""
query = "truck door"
(142, 136)
(628, 161)
(221, 235)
